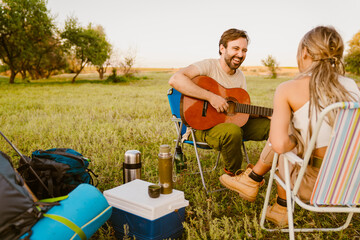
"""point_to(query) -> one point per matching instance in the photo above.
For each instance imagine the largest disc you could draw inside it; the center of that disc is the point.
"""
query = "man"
(225, 137)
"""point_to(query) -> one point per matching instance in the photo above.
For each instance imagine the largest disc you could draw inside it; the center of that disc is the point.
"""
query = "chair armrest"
(293, 158)
(175, 119)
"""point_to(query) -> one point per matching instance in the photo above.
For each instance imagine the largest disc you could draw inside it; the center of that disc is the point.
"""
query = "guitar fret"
(251, 109)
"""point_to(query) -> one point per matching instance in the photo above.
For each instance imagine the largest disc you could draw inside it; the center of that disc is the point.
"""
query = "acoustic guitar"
(199, 114)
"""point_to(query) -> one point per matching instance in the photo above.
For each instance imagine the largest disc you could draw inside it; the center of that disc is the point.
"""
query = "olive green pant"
(228, 137)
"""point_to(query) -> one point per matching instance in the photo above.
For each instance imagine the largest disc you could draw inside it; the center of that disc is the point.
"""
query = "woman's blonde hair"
(325, 46)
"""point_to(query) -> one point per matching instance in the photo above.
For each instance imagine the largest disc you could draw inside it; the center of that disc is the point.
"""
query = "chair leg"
(289, 200)
(199, 163)
(291, 205)
(200, 170)
(178, 140)
(268, 192)
(200, 167)
(348, 220)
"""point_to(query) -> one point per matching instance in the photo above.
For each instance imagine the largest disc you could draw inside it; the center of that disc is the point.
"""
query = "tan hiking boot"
(243, 184)
(277, 214)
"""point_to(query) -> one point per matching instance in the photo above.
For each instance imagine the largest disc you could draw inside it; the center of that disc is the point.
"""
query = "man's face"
(235, 53)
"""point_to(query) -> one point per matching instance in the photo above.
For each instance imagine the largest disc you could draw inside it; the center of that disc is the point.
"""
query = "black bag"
(61, 169)
(18, 212)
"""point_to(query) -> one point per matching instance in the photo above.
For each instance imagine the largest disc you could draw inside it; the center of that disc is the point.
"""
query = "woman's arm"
(279, 138)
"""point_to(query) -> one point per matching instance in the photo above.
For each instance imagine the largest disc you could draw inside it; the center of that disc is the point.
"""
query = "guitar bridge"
(204, 110)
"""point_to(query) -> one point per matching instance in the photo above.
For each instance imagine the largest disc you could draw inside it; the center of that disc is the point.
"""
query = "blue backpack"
(61, 169)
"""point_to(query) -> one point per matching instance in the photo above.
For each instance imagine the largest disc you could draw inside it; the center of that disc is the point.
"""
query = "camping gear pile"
(73, 208)
(51, 173)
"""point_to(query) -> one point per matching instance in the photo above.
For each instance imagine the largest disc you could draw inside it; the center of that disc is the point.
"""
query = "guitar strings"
(251, 109)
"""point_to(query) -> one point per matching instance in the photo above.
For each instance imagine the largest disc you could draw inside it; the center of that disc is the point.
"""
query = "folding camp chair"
(174, 101)
(337, 188)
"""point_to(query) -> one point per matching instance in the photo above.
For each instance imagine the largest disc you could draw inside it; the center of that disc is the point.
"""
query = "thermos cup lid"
(164, 148)
(132, 156)
(154, 190)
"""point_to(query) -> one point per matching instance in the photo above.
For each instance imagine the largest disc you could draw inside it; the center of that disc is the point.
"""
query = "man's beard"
(232, 65)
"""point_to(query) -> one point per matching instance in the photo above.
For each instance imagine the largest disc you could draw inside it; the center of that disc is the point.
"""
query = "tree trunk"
(78, 72)
(73, 80)
(48, 74)
(23, 74)
(12, 77)
(31, 75)
(101, 71)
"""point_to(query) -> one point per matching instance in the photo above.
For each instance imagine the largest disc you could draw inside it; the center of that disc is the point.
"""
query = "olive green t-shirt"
(212, 68)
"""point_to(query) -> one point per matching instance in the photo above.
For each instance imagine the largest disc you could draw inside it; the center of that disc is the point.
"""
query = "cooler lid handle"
(178, 205)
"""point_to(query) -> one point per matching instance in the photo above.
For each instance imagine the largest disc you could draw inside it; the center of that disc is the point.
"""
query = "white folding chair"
(174, 97)
(337, 188)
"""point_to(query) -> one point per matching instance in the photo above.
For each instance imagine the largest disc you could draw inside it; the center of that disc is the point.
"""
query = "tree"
(84, 45)
(51, 58)
(21, 33)
(101, 69)
(352, 59)
(101, 58)
(352, 62)
(128, 62)
(271, 64)
(354, 43)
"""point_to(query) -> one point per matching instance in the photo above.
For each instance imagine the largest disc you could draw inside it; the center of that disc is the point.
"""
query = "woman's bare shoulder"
(294, 85)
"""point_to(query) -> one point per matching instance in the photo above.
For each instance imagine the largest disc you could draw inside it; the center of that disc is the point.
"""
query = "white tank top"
(301, 118)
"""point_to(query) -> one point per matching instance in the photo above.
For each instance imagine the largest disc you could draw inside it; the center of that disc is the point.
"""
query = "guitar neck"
(251, 109)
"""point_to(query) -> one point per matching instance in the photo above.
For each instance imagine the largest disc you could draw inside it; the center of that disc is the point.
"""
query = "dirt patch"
(263, 71)
(248, 70)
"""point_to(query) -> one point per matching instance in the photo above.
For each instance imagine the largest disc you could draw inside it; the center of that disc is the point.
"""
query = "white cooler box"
(147, 218)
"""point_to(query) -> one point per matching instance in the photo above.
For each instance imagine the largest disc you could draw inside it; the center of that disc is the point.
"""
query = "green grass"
(103, 121)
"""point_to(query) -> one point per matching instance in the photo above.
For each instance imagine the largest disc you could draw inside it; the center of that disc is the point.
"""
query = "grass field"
(103, 121)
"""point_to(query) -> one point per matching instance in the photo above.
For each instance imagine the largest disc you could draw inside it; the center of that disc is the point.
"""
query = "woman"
(320, 83)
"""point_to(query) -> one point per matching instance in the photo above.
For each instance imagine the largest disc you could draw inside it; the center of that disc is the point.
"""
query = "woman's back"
(298, 99)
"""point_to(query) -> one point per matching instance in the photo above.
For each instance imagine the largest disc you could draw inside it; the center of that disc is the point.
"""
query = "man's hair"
(231, 35)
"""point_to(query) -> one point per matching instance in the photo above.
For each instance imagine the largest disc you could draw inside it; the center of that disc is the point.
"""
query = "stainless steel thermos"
(165, 169)
(132, 166)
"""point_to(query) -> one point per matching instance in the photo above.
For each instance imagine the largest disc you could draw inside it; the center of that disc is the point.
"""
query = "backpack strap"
(68, 223)
(92, 182)
(50, 183)
(80, 159)
(52, 200)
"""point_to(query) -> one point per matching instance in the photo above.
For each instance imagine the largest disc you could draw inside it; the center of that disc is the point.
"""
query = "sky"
(176, 33)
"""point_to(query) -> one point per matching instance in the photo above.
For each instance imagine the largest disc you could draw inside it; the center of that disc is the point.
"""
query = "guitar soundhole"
(231, 110)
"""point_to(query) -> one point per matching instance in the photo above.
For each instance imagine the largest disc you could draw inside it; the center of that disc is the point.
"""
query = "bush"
(123, 78)
(116, 79)
(119, 79)
(271, 64)
(352, 62)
